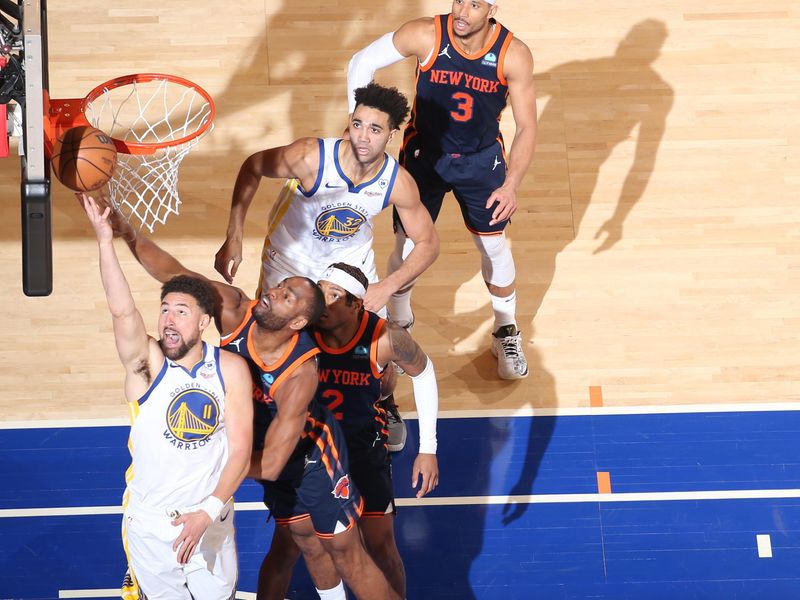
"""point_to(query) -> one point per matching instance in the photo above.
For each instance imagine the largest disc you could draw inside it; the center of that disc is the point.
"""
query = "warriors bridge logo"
(192, 417)
(338, 224)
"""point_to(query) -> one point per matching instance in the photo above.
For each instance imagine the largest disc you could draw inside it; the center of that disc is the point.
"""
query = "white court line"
(526, 411)
(114, 593)
(8, 513)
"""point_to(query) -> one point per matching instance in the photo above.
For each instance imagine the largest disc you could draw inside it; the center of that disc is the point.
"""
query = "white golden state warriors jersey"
(178, 440)
(332, 221)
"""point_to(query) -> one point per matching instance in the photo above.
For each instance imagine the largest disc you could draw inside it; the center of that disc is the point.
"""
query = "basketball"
(84, 158)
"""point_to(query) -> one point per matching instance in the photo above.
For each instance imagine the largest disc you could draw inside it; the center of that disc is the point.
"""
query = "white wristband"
(426, 397)
(212, 506)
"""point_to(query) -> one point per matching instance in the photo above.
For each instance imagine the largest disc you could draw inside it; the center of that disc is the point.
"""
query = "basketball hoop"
(154, 120)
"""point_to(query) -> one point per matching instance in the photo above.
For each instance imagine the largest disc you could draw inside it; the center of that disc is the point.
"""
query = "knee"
(497, 262)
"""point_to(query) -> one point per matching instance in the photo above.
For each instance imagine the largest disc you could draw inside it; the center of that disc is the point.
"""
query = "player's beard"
(179, 352)
(266, 319)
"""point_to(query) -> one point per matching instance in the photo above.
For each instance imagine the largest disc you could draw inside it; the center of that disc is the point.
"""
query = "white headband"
(344, 280)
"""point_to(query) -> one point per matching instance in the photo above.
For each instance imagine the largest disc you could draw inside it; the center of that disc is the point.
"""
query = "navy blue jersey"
(268, 378)
(459, 96)
(350, 383)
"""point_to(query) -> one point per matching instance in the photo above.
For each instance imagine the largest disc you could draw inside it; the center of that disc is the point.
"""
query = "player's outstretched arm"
(239, 428)
(415, 38)
(292, 399)
(299, 160)
(137, 351)
(403, 350)
(419, 228)
(518, 71)
(162, 266)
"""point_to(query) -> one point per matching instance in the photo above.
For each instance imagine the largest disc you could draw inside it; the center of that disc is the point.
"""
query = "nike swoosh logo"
(227, 514)
(328, 185)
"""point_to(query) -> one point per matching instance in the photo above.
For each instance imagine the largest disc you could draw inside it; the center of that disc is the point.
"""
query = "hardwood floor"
(656, 243)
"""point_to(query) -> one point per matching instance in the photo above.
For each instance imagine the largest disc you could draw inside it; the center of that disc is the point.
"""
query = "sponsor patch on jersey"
(193, 415)
(338, 223)
(209, 369)
(342, 488)
(490, 60)
(383, 183)
(268, 378)
(361, 351)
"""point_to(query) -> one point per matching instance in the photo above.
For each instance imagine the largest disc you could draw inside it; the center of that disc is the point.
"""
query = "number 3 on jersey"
(334, 399)
(463, 110)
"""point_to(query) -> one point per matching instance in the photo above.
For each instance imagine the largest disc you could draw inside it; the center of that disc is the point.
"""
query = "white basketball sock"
(399, 307)
(505, 310)
(336, 593)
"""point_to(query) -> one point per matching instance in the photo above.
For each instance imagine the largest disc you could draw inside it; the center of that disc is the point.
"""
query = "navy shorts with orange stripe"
(471, 177)
(318, 485)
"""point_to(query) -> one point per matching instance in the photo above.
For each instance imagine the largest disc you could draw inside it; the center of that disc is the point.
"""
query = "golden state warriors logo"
(336, 224)
(193, 416)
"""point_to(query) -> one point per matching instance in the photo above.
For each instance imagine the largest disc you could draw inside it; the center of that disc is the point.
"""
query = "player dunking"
(190, 438)
(356, 347)
(468, 65)
(300, 454)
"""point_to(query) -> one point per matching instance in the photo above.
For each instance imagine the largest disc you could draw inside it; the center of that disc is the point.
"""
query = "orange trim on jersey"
(373, 349)
(476, 55)
(502, 143)
(437, 42)
(226, 339)
(257, 359)
(349, 345)
(503, 49)
(291, 369)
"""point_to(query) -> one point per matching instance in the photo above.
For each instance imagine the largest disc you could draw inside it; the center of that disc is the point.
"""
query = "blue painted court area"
(559, 541)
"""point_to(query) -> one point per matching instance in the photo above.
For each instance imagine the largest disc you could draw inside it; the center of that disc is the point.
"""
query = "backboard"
(24, 95)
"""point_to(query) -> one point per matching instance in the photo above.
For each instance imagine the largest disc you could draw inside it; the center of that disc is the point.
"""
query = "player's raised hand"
(194, 526)
(98, 217)
(504, 200)
(426, 469)
(377, 296)
(228, 258)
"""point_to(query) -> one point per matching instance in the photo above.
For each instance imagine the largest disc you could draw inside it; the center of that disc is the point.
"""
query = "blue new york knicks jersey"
(268, 378)
(350, 383)
(460, 97)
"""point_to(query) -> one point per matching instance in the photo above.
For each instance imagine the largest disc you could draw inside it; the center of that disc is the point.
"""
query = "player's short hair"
(199, 289)
(315, 305)
(386, 99)
(355, 273)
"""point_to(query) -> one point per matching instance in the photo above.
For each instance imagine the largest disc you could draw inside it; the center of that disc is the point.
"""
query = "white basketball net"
(145, 186)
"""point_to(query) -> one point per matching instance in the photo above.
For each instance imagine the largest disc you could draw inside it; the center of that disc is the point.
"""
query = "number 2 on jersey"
(463, 110)
(337, 400)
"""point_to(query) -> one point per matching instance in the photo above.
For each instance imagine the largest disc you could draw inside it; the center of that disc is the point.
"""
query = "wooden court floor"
(657, 244)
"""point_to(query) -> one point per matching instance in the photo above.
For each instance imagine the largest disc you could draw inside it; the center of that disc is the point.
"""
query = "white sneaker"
(507, 347)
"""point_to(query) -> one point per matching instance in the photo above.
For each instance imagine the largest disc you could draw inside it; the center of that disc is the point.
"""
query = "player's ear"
(298, 323)
(205, 321)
